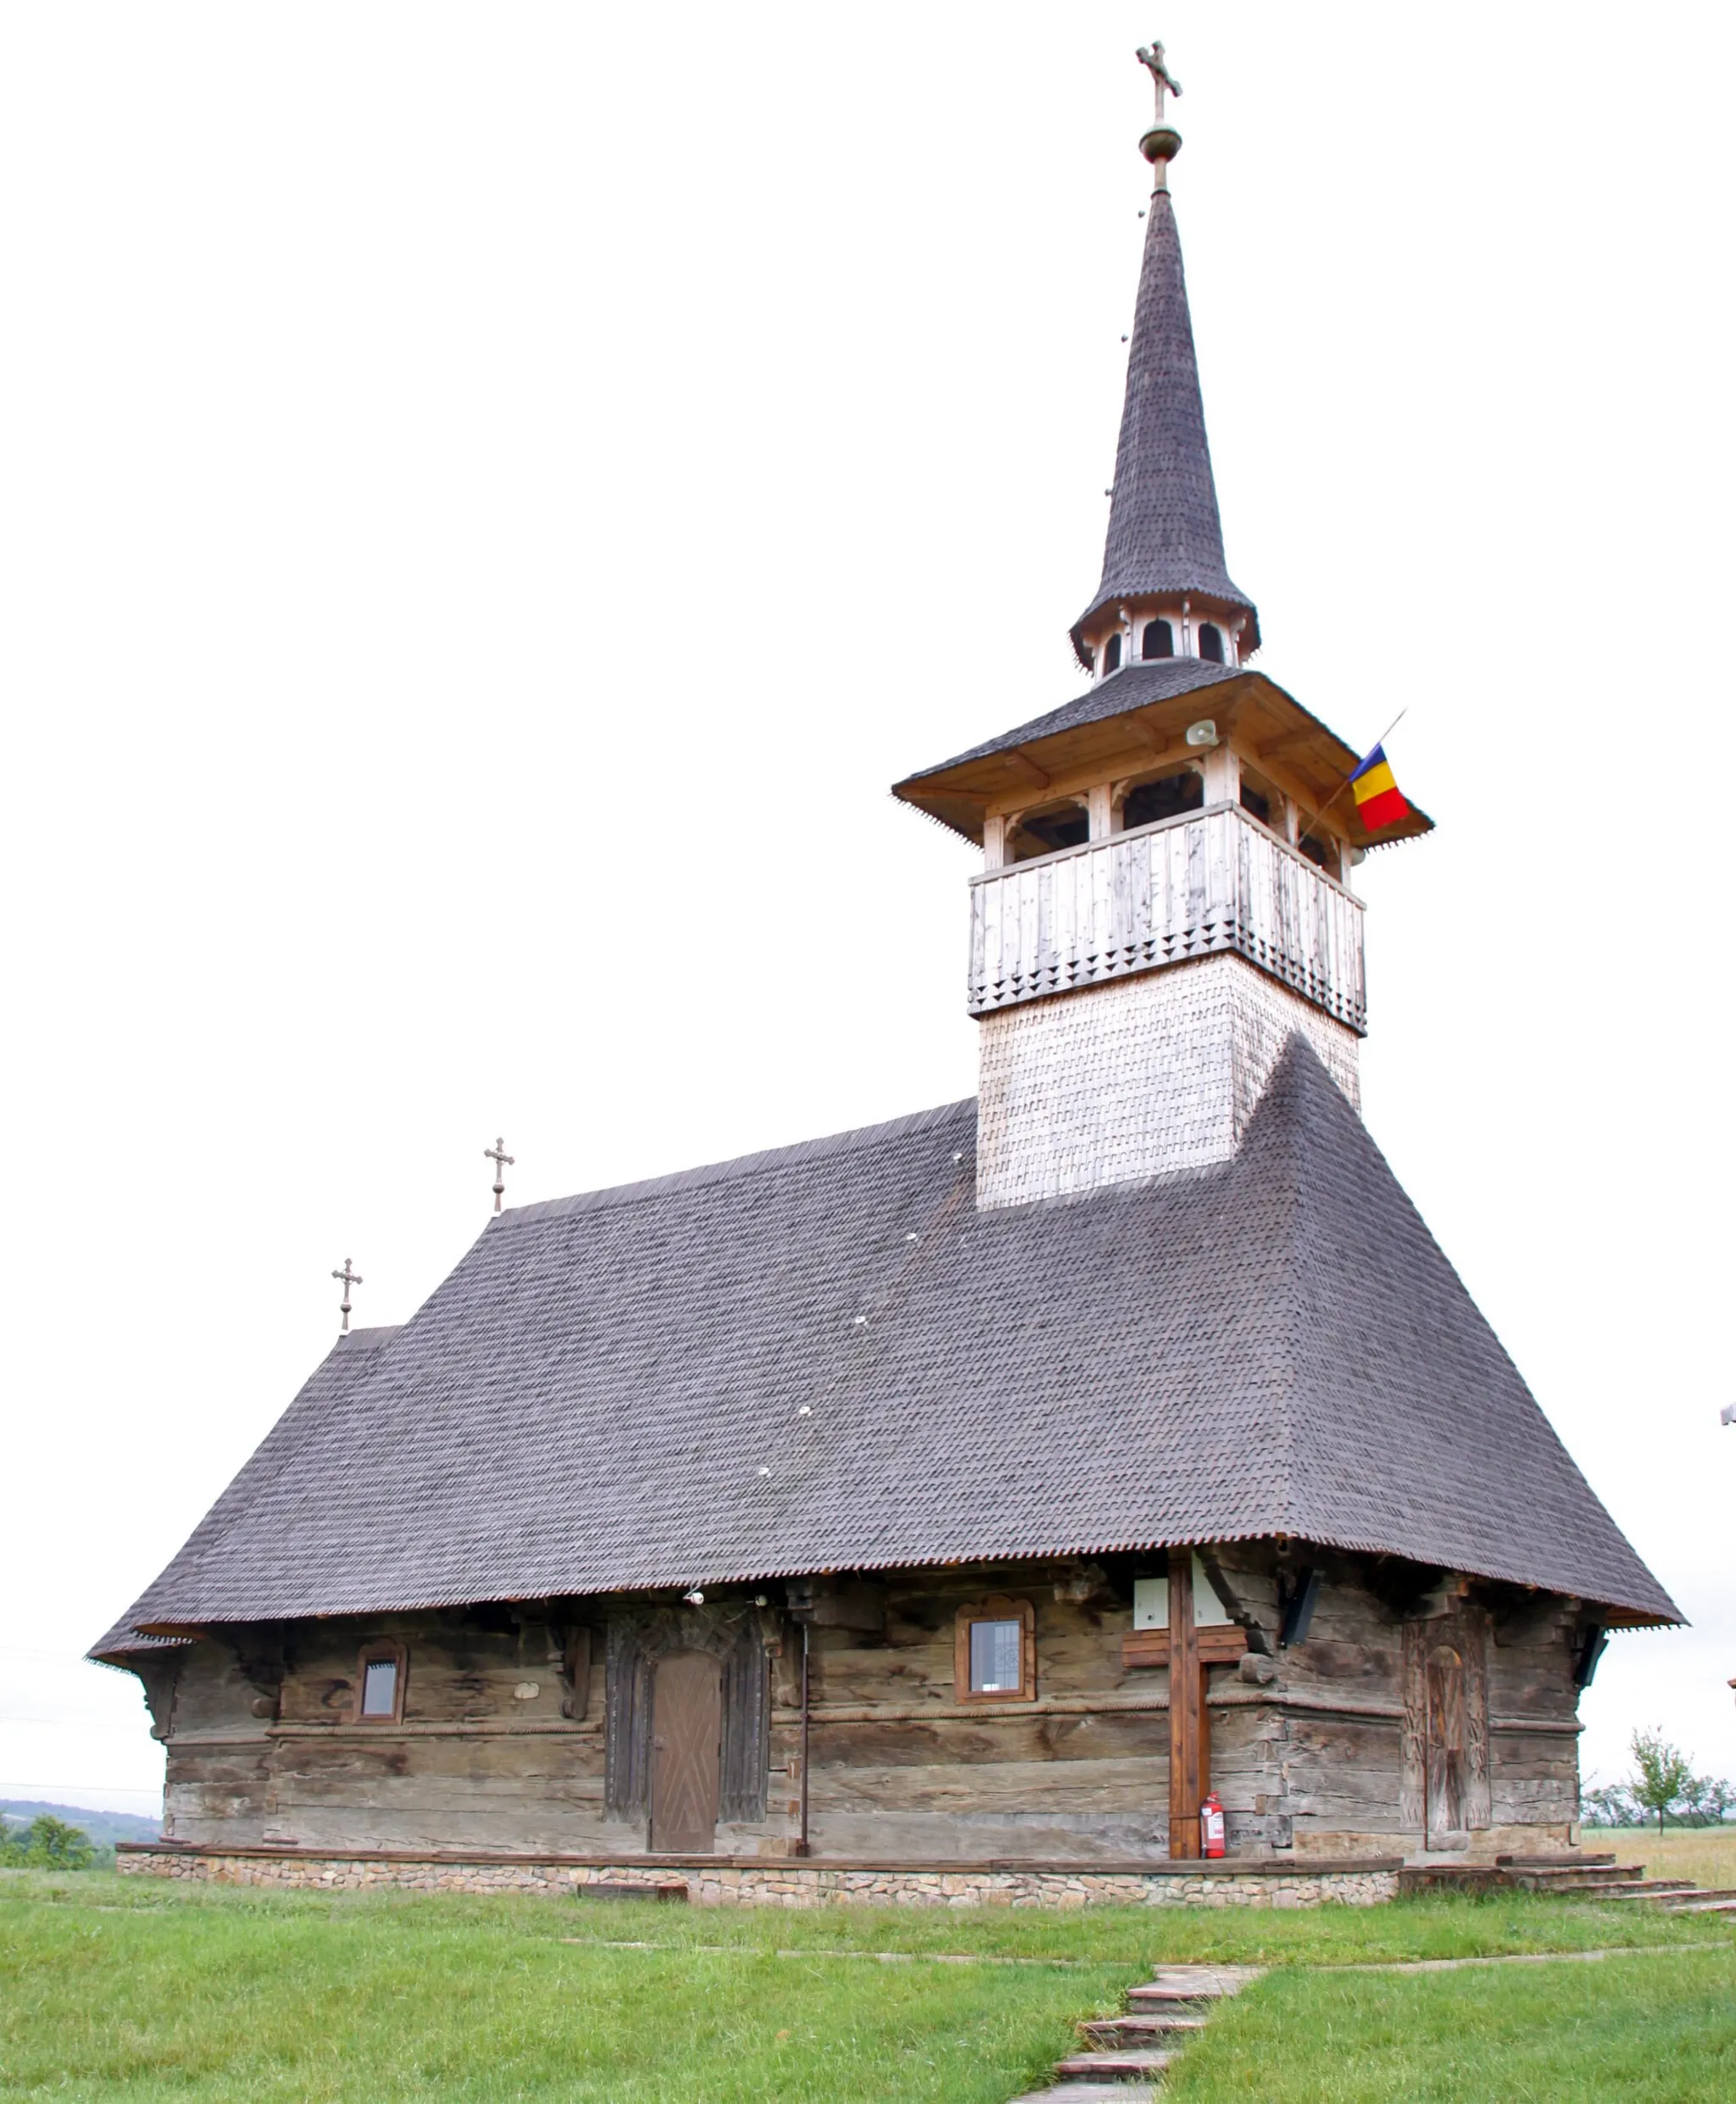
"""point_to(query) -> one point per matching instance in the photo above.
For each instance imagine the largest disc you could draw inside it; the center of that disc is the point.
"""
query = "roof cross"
(502, 1162)
(1150, 56)
(350, 1276)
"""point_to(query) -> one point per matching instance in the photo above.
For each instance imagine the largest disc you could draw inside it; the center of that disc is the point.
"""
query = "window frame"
(376, 1654)
(996, 1608)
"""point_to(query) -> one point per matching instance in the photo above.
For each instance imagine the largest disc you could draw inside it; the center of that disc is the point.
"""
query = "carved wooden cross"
(502, 1162)
(1188, 1717)
(1150, 56)
(350, 1276)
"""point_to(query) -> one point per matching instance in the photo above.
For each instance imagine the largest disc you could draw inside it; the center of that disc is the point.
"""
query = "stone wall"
(1136, 1077)
(716, 1882)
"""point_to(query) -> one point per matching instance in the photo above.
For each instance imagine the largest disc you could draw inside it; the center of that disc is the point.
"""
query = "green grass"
(140, 1989)
(1649, 2027)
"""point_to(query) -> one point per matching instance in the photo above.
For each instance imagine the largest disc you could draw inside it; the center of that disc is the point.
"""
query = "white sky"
(491, 498)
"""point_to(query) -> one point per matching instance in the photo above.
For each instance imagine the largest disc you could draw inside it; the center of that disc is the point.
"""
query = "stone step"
(1705, 1905)
(1198, 1983)
(1139, 2029)
(1701, 1892)
(1126, 2065)
(1092, 2093)
(1181, 1999)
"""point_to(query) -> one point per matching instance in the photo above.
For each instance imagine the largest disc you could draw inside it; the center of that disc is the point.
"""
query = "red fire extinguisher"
(1212, 1827)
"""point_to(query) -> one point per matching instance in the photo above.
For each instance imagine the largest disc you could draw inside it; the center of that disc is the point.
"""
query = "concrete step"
(1704, 1892)
(1092, 2093)
(1126, 2066)
(1572, 1877)
(1139, 2029)
(1700, 1905)
(1554, 1862)
(1638, 1888)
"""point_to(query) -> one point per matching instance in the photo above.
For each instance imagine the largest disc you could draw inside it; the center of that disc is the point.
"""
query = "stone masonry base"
(720, 1881)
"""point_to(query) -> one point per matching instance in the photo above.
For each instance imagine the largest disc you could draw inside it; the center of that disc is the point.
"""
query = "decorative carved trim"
(742, 1638)
(998, 1608)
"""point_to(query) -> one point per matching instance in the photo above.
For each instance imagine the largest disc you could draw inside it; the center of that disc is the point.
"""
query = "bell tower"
(1165, 896)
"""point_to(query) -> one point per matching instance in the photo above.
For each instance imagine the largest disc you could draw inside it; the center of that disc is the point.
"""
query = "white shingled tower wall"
(1137, 1077)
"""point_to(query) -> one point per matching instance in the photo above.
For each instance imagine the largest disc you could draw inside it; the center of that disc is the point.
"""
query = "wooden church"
(948, 1507)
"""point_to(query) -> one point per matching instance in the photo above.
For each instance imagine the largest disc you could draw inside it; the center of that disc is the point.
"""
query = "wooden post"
(1187, 1777)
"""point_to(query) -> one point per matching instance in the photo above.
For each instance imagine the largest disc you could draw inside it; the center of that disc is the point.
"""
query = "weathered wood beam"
(1187, 1781)
(1221, 1645)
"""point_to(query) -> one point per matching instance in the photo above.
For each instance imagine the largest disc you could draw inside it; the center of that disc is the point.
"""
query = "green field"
(133, 1989)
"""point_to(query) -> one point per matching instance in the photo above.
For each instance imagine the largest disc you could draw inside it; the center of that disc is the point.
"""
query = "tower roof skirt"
(1165, 537)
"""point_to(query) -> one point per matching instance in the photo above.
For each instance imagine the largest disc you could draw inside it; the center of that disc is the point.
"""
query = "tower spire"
(1164, 552)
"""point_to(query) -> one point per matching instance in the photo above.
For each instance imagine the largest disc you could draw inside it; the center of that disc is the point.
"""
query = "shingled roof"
(608, 1391)
(1163, 530)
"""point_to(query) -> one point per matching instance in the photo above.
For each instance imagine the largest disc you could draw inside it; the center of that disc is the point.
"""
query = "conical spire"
(1165, 539)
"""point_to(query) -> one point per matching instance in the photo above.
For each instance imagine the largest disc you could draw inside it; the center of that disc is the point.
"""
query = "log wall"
(505, 1744)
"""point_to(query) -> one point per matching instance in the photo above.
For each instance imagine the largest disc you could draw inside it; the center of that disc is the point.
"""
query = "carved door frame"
(1445, 1698)
(742, 1639)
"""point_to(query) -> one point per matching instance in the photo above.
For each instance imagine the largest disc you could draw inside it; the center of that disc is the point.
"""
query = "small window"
(996, 1652)
(380, 1675)
(1252, 800)
(1167, 799)
(1211, 643)
(1112, 652)
(1159, 640)
(1316, 850)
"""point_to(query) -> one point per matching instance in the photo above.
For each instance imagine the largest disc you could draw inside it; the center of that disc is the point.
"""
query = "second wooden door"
(687, 1734)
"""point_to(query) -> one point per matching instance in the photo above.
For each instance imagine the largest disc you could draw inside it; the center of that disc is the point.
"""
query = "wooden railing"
(1211, 880)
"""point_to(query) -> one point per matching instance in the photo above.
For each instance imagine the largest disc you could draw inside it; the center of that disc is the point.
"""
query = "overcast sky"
(491, 496)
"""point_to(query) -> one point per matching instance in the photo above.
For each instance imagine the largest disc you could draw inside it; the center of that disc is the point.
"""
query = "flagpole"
(1351, 776)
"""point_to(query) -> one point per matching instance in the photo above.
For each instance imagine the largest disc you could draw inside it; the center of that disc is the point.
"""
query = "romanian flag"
(1380, 802)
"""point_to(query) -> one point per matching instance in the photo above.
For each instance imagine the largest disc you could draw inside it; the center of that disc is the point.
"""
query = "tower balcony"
(1209, 882)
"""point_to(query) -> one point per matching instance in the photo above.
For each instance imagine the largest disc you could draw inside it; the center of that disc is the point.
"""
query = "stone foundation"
(780, 1882)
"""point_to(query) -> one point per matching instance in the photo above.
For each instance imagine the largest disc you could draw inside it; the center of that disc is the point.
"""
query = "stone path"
(1122, 2057)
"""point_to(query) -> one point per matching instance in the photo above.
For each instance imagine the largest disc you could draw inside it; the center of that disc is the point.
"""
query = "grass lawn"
(134, 1989)
(1653, 2025)
(1705, 1853)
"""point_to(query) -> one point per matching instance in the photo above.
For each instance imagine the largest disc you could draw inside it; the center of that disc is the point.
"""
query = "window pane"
(379, 1687)
(994, 1658)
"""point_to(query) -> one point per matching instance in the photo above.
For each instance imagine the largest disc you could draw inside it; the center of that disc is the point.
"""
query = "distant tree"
(1706, 1802)
(1610, 1805)
(1662, 1777)
(47, 1843)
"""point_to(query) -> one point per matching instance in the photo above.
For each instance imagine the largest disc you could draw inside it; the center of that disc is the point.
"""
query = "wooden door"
(687, 1736)
(1446, 1748)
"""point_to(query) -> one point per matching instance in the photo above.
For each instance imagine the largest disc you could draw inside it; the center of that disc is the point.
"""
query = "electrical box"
(1151, 1602)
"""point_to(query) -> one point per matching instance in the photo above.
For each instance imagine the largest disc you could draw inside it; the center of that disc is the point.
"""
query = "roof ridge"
(762, 1161)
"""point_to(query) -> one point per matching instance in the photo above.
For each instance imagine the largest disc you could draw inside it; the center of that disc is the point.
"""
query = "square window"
(380, 1688)
(996, 1660)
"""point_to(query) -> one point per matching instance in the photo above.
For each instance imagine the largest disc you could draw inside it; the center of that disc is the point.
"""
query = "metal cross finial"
(1150, 56)
(498, 1155)
(350, 1276)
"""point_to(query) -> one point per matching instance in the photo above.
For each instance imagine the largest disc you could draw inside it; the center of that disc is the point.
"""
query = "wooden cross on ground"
(350, 1276)
(502, 1162)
